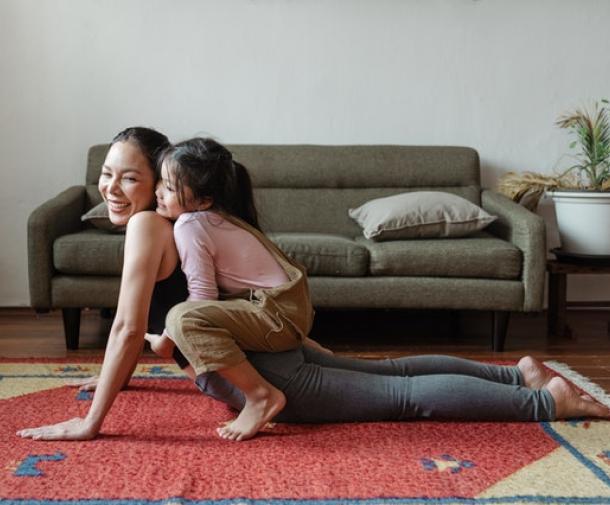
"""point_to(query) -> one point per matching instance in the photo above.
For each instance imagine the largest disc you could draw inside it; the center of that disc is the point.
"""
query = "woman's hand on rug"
(73, 429)
(86, 384)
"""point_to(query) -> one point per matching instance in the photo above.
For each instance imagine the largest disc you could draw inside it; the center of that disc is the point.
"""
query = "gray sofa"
(303, 193)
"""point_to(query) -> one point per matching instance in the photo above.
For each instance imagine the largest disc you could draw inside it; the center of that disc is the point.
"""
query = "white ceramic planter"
(583, 219)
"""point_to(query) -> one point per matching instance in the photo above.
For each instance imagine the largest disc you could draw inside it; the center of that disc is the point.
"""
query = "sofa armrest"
(57, 216)
(525, 230)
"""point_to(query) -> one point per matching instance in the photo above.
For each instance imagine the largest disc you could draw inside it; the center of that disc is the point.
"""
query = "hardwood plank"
(604, 383)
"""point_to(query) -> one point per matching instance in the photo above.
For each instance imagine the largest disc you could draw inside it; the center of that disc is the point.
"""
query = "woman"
(127, 183)
(318, 387)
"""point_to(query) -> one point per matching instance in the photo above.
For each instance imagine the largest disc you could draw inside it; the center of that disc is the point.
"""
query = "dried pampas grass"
(527, 188)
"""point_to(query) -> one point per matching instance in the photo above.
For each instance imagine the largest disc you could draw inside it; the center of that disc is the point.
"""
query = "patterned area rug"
(159, 446)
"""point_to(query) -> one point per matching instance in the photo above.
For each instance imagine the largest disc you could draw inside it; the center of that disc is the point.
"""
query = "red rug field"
(159, 446)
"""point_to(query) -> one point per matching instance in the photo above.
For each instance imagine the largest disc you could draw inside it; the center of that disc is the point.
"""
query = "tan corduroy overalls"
(212, 333)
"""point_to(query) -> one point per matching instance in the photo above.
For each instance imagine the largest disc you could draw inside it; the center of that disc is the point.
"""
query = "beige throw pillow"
(420, 214)
(98, 217)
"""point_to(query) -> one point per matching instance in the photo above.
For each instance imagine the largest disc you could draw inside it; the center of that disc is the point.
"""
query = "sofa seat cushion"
(479, 256)
(94, 252)
(89, 252)
(323, 254)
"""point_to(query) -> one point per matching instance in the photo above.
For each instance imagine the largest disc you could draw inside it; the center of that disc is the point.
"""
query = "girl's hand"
(73, 429)
(86, 384)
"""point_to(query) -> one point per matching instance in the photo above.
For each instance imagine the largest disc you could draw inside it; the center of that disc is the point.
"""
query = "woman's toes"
(568, 403)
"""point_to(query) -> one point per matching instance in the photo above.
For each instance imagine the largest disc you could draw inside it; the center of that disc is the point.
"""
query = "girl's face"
(168, 204)
(127, 182)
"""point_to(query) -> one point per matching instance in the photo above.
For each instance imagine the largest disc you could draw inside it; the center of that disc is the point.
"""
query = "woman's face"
(127, 182)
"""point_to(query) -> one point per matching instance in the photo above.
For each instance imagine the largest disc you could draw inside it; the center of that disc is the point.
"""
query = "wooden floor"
(370, 334)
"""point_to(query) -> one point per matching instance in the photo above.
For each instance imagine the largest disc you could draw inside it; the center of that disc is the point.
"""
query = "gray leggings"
(322, 388)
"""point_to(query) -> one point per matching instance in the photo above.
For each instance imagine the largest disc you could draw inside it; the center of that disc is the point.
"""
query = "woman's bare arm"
(146, 244)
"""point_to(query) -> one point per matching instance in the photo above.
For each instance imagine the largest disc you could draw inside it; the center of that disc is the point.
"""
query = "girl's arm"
(147, 241)
(197, 261)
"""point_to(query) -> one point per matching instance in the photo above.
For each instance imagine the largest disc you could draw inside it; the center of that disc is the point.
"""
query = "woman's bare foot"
(261, 406)
(568, 403)
(535, 375)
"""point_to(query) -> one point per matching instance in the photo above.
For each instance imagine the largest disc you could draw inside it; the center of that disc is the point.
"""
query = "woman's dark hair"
(151, 142)
(208, 169)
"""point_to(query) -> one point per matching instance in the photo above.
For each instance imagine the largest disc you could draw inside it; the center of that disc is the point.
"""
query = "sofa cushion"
(89, 252)
(419, 214)
(480, 256)
(98, 217)
(324, 255)
(94, 252)
(324, 210)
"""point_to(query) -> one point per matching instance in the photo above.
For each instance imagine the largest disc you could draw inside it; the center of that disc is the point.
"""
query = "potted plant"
(582, 192)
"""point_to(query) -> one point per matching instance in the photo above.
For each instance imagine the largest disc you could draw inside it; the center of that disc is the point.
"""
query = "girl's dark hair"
(151, 142)
(208, 169)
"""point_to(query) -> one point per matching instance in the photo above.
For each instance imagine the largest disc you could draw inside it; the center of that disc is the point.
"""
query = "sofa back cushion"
(325, 210)
(309, 188)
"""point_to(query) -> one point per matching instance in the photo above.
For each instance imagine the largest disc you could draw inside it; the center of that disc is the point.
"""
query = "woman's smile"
(117, 206)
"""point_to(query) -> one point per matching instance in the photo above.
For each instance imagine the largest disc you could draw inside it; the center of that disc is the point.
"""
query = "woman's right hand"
(86, 384)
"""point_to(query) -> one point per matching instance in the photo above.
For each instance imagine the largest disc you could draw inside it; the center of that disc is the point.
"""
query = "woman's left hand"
(86, 384)
(73, 429)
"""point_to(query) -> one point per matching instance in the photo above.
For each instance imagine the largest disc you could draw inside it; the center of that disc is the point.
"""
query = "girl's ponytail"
(244, 201)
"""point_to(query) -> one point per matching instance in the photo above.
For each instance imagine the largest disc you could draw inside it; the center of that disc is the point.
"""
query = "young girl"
(244, 293)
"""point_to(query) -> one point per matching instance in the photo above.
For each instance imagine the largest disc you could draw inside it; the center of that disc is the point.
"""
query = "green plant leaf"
(592, 131)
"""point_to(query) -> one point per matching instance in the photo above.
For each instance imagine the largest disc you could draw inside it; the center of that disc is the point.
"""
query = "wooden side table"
(557, 326)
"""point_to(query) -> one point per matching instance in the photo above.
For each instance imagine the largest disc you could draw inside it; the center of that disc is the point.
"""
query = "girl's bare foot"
(161, 345)
(568, 403)
(535, 375)
(261, 406)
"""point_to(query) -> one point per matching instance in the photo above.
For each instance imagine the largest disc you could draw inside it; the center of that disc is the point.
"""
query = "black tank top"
(167, 293)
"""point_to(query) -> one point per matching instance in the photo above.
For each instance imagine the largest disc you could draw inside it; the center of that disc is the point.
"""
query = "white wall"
(492, 74)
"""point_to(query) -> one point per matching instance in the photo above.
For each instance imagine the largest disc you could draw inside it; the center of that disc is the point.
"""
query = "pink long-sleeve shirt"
(217, 255)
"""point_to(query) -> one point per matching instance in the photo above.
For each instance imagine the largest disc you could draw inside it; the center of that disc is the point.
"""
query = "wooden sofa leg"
(71, 327)
(500, 325)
